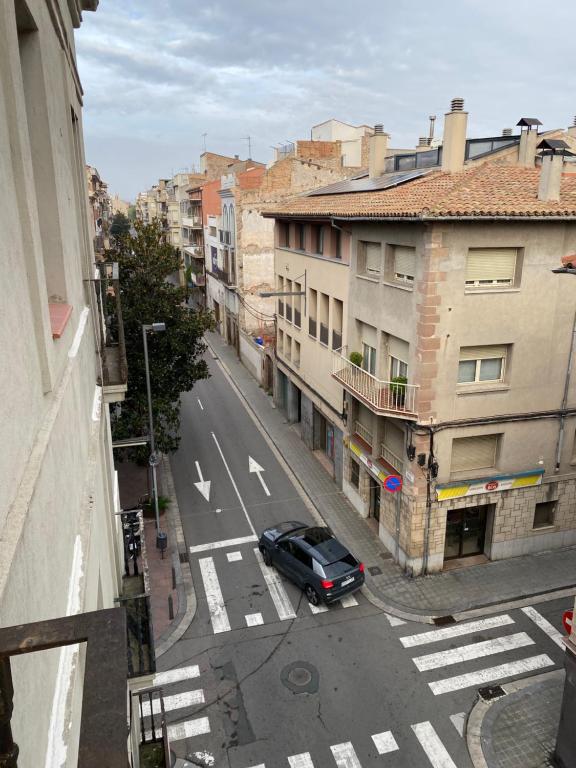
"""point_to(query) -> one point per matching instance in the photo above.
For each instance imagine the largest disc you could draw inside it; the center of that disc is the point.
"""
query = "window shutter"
(394, 439)
(491, 264)
(482, 353)
(404, 260)
(373, 256)
(470, 453)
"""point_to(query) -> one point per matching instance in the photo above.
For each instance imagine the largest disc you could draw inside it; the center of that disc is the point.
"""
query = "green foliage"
(356, 358)
(120, 225)
(132, 213)
(145, 263)
(398, 388)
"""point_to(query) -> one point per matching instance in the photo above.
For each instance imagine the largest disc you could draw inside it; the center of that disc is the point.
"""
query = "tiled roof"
(486, 190)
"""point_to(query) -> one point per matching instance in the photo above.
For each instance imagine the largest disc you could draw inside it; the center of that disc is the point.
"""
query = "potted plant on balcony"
(356, 358)
(398, 390)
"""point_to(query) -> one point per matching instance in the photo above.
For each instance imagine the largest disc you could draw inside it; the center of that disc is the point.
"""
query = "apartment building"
(453, 373)
(100, 208)
(61, 538)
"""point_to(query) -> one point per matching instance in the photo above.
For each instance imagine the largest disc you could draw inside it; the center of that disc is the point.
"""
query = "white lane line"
(455, 630)
(200, 404)
(301, 761)
(234, 483)
(394, 621)
(218, 614)
(345, 756)
(384, 742)
(490, 674)
(185, 730)
(320, 608)
(233, 557)
(276, 588)
(544, 625)
(222, 544)
(176, 675)
(434, 749)
(472, 651)
(176, 701)
(348, 602)
(458, 721)
(253, 619)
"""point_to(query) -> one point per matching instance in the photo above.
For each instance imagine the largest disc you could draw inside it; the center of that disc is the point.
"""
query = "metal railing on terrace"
(364, 433)
(391, 458)
(388, 398)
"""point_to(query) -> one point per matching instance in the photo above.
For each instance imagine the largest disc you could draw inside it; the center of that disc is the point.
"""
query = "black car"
(313, 559)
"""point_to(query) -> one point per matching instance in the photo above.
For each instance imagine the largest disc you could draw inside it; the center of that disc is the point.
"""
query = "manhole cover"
(491, 692)
(300, 677)
(374, 570)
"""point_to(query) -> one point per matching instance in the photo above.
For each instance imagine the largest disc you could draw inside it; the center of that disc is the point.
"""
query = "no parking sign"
(393, 483)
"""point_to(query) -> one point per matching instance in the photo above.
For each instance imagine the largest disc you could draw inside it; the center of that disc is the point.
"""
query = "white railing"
(191, 221)
(382, 397)
(391, 458)
(364, 433)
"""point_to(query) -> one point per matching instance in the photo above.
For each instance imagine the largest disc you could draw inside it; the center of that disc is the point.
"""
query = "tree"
(145, 263)
(132, 212)
(120, 225)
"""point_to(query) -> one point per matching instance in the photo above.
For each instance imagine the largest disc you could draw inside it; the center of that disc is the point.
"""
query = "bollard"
(173, 577)
(170, 607)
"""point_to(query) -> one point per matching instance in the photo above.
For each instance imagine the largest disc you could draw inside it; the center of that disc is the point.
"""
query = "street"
(262, 678)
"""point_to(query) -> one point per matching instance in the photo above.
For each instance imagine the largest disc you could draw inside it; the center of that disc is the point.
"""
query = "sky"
(164, 78)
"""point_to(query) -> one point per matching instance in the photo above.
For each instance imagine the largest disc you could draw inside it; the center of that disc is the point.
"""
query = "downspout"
(428, 503)
(560, 442)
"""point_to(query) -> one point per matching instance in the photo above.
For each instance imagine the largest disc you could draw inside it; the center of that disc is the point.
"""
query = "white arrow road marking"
(253, 466)
(234, 485)
(202, 485)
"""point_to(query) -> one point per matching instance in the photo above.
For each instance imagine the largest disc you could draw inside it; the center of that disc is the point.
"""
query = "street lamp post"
(153, 460)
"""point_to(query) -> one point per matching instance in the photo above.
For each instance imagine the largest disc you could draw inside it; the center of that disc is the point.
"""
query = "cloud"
(157, 74)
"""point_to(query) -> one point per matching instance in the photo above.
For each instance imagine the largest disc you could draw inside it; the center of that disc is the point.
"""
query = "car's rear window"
(340, 567)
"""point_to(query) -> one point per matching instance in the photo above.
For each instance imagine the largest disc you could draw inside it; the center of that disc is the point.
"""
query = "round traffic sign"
(567, 620)
(393, 483)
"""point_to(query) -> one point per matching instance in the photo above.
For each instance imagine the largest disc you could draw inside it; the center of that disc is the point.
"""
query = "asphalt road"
(264, 680)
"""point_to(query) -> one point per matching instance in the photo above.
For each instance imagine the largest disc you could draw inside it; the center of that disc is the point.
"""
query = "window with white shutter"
(478, 364)
(491, 267)
(404, 263)
(369, 258)
(474, 453)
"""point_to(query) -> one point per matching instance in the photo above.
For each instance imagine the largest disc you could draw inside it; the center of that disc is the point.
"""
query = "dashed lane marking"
(384, 742)
(222, 544)
(254, 619)
(301, 761)
(234, 556)
(345, 756)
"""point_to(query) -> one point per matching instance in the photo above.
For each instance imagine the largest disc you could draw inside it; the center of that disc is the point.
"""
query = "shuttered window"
(394, 438)
(487, 267)
(404, 263)
(479, 364)
(472, 453)
(369, 258)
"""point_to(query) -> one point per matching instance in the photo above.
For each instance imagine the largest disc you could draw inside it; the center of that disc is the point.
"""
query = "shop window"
(354, 474)
(544, 514)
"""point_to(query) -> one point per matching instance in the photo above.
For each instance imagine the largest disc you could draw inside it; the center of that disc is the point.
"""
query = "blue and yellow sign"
(489, 485)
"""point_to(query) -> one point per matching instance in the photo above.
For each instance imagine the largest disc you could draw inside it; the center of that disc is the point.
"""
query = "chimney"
(423, 141)
(378, 149)
(432, 119)
(551, 173)
(506, 131)
(528, 141)
(572, 129)
(454, 139)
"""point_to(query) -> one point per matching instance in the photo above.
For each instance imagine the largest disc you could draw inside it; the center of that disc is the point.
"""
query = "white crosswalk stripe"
(176, 675)
(186, 730)
(216, 606)
(173, 702)
(384, 742)
(455, 630)
(345, 755)
(472, 651)
(176, 701)
(301, 761)
(491, 674)
(434, 749)
(278, 594)
(545, 625)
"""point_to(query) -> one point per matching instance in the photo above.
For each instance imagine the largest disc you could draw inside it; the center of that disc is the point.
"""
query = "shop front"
(466, 531)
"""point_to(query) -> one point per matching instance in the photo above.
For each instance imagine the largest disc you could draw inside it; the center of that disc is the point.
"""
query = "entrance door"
(465, 532)
(329, 445)
(374, 509)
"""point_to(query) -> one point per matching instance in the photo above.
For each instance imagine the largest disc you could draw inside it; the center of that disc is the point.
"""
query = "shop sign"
(373, 467)
(489, 485)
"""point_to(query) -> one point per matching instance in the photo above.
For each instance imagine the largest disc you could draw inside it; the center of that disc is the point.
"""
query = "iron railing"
(363, 433)
(391, 458)
(112, 342)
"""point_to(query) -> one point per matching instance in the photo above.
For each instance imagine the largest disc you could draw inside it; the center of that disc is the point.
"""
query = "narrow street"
(261, 678)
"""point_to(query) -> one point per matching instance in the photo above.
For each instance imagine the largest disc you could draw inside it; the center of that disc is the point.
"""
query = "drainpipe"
(565, 398)
(428, 503)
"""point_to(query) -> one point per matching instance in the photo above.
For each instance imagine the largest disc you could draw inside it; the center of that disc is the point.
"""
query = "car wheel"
(266, 557)
(311, 595)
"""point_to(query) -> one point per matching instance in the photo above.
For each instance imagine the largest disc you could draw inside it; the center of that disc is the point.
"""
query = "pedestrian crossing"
(478, 652)
(282, 607)
(175, 703)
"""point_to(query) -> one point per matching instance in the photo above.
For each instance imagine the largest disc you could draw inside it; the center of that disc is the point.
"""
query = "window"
(472, 453)
(318, 241)
(491, 267)
(300, 555)
(212, 231)
(296, 353)
(301, 237)
(369, 258)
(281, 341)
(479, 364)
(337, 243)
(544, 514)
(283, 234)
(288, 347)
(354, 473)
(398, 368)
(312, 309)
(369, 358)
(404, 263)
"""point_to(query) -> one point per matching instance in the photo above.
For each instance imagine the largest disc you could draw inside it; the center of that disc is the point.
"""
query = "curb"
(482, 707)
(184, 586)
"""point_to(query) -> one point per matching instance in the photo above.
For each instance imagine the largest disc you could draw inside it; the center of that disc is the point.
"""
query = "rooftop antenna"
(249, 140)
(204, 140)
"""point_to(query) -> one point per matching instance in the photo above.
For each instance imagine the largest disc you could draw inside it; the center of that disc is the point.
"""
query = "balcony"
(363, 433)
(390, 458)
(114, 379)
(324, 334)
(312, 326)
(386, 398)
(223, 275)
(196, 251)
(192, 221)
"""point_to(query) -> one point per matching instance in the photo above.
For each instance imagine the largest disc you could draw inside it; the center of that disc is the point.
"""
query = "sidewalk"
(421, 598)
(519, 729)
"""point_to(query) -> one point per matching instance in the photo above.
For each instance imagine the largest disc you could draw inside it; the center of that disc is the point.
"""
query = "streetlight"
(153, 460)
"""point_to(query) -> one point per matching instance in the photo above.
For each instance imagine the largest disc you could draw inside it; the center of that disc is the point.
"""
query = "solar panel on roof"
(365, 184)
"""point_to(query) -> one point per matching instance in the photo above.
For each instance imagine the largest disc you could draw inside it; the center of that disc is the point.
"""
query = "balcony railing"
(289, 312)
(336, 339)
(114, 378)
(312, 326)
(364, 433)
(323, 334)
(297, 318)
(391, 458)
(192, 221)
(382, 397)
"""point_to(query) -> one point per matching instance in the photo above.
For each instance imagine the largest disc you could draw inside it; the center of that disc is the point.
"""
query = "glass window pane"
(491, 369)
(466, 371)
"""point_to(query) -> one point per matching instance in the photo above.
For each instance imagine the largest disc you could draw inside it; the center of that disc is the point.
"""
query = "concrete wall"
(60, 537)
(251, 355)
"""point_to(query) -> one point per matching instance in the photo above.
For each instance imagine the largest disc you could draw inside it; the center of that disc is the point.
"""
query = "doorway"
(374, 501)
(465, 532)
